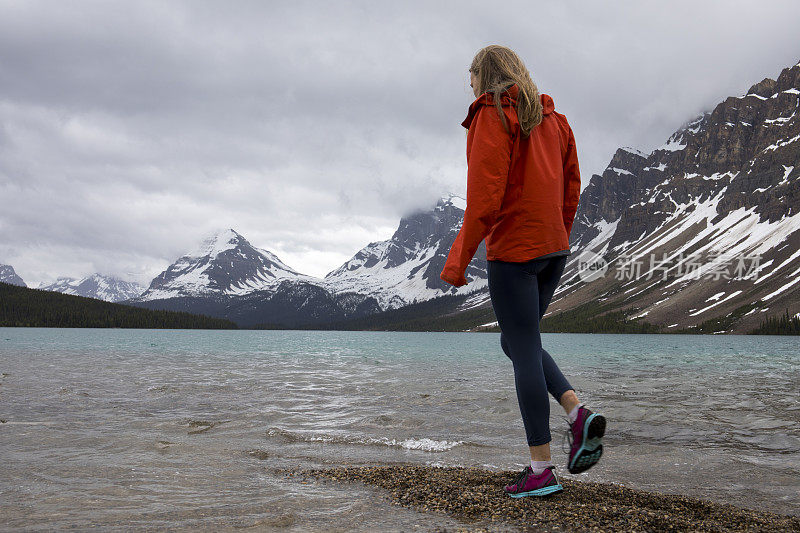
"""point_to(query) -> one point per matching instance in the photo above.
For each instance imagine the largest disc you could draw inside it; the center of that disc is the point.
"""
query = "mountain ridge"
(98, 286)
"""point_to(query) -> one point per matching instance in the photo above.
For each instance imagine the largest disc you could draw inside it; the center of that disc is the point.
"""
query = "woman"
(523, 185)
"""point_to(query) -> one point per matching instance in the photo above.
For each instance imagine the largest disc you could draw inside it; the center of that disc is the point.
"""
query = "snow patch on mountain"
(635, 151)
(674, 144)
(456, 201)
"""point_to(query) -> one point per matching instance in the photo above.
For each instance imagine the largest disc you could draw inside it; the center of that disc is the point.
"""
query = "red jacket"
(522, 193)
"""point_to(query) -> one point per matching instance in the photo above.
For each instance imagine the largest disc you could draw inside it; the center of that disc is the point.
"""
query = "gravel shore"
(476, 497)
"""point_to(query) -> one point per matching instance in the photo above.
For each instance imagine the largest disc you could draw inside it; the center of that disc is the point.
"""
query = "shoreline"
(475, 495)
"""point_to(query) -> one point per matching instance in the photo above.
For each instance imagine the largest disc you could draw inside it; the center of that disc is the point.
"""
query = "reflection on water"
(189, 428)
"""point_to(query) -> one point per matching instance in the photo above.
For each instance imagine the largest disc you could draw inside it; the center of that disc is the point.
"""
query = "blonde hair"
(496, 69)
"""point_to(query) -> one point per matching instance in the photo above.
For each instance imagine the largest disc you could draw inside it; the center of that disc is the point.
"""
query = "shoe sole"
(544, 491)
(592, 449)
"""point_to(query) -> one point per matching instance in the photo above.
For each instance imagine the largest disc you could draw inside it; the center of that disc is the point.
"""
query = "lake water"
(188, 429)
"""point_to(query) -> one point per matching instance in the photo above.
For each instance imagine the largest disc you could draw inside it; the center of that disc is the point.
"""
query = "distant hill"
(24, 307)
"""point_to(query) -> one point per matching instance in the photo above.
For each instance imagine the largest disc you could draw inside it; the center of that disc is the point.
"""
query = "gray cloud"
(128, 130)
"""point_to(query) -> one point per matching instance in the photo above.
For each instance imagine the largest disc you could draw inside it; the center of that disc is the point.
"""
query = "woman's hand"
(452, 280)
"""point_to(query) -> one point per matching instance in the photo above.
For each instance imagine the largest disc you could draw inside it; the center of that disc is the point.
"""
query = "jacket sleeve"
(572, 183)
(488, 165)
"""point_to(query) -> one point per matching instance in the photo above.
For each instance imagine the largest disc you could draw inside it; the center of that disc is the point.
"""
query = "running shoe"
(586, 440)
(527, 484)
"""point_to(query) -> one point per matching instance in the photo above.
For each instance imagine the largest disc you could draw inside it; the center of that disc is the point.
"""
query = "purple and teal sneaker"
(528, 484)
(586, 444)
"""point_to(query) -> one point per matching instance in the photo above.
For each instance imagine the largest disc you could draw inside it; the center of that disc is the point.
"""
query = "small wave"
(384, 420)
(438, 464)
(425, 444)
(162, 388)
(201, 426)
(259, 454)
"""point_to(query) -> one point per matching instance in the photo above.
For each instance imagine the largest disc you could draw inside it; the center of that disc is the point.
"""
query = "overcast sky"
(129, 130)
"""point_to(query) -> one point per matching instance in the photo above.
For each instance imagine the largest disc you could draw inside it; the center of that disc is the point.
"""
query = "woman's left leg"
(514, 290)
(557, 385)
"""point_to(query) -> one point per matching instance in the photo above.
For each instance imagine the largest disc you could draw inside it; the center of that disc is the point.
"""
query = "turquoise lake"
(189, 429)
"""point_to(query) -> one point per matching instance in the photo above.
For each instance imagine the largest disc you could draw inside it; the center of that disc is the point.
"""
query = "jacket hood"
(508, 98)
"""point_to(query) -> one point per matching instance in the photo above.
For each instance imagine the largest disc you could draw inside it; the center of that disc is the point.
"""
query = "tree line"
(785, 324)
(24, 307)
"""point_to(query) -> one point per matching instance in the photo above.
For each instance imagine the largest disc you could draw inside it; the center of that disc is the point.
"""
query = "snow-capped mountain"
(405, 269)
(8, 275)
(98, 286)
(224, 264)
(228, 277)
(714, 211)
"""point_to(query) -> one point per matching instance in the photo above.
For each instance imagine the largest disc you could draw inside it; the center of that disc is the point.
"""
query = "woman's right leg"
(515, 299)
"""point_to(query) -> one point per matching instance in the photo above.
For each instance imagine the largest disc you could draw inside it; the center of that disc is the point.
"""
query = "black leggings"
(520, 294)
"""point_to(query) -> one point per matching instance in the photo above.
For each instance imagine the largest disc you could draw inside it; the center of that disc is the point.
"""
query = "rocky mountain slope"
(8, 275)
(703, 231)
(405, 269)
(97, 286)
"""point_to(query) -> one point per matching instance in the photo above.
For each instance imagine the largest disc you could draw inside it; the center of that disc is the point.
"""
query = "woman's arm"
(488, 162)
